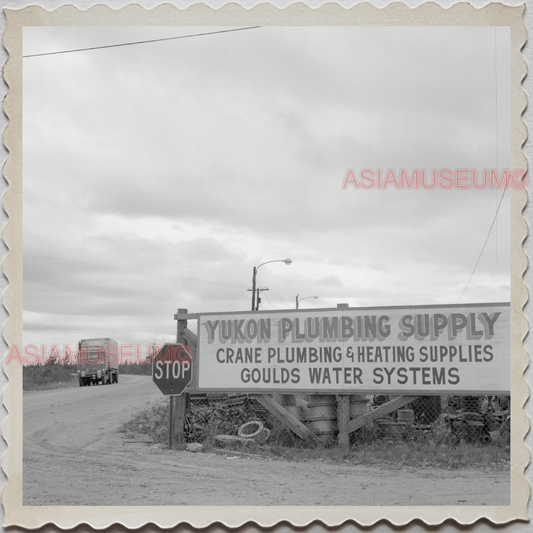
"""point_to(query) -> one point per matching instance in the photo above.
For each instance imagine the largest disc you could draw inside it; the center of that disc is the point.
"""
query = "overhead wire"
(268, 300)
(140, 42)
(484, 245)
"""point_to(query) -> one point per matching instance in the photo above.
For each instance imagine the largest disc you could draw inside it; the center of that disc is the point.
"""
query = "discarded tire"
(253, 430)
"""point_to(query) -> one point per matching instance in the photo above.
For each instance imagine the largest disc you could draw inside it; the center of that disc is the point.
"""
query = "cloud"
(156, 176)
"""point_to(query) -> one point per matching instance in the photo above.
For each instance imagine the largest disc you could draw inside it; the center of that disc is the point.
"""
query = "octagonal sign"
(172, 368)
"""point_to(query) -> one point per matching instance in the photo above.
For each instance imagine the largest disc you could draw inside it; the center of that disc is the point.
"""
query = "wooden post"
(343, 418)
(343, 410)
(180, 402)
(170, 421)
(179, 416)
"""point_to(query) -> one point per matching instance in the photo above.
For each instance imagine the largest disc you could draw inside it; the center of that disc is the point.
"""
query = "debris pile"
(469, 419)
(472, 419)
(224, 417)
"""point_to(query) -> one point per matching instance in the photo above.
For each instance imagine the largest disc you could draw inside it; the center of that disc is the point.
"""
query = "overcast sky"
(156, 176)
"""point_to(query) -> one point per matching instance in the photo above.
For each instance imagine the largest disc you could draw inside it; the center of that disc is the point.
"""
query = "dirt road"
(73, 455)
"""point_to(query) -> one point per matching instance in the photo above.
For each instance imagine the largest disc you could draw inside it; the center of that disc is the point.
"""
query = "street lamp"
(255, 299)
(298, 300)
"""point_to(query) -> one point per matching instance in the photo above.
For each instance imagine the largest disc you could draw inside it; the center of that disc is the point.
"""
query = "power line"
(271, 304)
(484, 245)
(140, 42)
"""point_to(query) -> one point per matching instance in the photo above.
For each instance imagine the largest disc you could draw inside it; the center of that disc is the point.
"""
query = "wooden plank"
(286, 418)
(382, 410)
(182, 325)
(184, 316)
(343, 419)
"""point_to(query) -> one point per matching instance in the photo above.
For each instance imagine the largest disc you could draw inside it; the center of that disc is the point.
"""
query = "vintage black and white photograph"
(267, 265)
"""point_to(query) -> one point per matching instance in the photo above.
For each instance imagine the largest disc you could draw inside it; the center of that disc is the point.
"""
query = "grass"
(430, 455)
(50, 376)
(152, 422)
(366, 449)
(52, 386)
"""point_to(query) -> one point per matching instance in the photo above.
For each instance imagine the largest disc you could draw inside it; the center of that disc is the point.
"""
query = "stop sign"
(172, 368)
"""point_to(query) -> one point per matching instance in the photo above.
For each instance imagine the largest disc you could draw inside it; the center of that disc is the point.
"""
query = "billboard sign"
(451, 349)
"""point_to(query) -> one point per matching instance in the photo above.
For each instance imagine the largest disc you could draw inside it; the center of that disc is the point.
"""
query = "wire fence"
(441, 419)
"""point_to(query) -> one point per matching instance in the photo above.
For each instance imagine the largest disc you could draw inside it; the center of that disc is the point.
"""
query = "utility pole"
(258, 299)
(255, 290)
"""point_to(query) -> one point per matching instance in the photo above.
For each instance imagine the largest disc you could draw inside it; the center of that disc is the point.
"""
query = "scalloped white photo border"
(396, 14)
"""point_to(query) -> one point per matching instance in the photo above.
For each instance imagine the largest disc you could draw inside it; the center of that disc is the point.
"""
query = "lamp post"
(298, 300)
(255, 298)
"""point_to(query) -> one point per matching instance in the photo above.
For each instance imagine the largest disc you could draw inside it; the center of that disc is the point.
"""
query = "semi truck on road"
(97, 361)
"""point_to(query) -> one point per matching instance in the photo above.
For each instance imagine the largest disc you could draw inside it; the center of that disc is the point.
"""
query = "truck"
(97, 361)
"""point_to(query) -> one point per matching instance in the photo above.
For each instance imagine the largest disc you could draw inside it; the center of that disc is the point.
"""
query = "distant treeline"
(142, 369)
(48, 376)
(55, 374)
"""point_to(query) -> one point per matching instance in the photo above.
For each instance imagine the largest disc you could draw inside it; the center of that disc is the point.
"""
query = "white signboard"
(428, 349)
